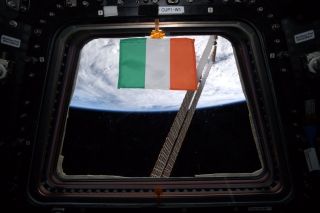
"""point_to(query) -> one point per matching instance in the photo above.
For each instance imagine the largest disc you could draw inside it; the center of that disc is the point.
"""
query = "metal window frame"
(48, 186)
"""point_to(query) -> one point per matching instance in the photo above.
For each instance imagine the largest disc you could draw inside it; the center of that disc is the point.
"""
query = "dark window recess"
(219, 140)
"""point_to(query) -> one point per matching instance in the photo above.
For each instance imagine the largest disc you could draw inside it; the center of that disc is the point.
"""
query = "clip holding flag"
(157, 33)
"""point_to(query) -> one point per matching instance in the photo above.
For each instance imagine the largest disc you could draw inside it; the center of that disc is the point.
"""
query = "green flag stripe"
(132, 63)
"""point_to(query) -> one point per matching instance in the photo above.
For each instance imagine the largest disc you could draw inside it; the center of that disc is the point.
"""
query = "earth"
(96, 84)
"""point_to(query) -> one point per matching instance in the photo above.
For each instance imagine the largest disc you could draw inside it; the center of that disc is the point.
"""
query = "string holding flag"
(158, 62)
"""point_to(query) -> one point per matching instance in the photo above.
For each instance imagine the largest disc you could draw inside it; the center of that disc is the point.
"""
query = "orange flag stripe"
(183, 71)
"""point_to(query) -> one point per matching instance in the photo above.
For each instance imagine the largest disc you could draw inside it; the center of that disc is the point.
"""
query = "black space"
(128, 144)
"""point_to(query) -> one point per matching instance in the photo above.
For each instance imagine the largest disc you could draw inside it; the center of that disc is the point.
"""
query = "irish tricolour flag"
(158, 64)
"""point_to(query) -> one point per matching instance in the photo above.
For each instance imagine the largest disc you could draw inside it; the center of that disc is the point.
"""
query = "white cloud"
(96, 85)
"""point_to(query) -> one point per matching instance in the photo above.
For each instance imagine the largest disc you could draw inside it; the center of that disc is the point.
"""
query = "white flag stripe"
(157, 74)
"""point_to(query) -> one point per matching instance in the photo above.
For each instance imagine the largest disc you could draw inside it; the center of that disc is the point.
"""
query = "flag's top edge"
(144, 39)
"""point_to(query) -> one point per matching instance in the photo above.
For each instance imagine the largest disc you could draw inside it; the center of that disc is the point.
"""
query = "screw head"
(12, 4)
(260, 9)
(13, 23)
(85, 3)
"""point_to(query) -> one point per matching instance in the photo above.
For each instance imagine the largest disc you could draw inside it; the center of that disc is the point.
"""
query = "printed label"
(110, 11)
(8, 40)
(175, 10)
(312, 159)
(305, 36)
